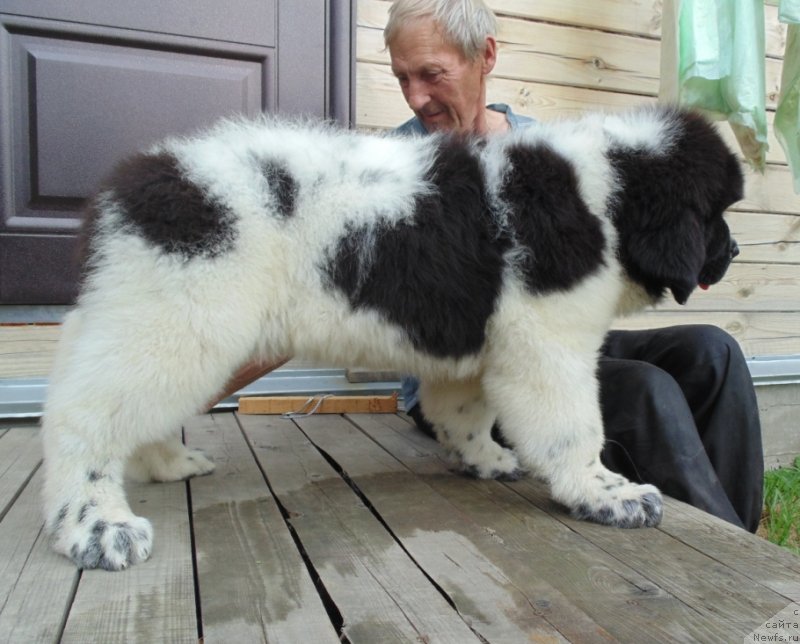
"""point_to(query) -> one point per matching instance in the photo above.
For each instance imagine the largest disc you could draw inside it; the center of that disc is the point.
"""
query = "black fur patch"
(60, 518)
(84, 511)
(282, 185)
(437, 276)
(670, 206)
(563, 239)
(169, 211)
(123, 543)
(92, 554)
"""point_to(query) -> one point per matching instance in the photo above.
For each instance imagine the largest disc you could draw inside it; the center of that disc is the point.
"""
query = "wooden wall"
(561, 57)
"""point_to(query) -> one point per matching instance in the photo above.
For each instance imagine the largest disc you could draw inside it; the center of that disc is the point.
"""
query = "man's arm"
(246, 374)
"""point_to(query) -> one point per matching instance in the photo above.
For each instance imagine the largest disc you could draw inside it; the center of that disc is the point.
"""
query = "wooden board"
(320, 404)
(766, 237)
(20, 455)
(36, 584)
(769, 192)
(762, 563)
(253, 583)
(747, 287)
(380, 592)
(27, 350)
(759, 333)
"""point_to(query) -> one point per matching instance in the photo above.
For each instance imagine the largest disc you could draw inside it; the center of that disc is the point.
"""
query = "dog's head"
(669, 211)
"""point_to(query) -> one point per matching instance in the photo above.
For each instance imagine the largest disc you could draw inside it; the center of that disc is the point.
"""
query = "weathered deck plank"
(34, 580)
(20, 455)
(760, 562)
(254, 585)
(381, 594)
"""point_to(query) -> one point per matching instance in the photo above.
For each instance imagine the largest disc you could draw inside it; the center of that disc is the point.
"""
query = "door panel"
(87, 104)
(244, 21)
(78, 96)
(39, 269)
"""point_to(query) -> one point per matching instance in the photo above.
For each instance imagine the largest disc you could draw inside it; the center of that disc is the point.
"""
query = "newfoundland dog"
(490, 268)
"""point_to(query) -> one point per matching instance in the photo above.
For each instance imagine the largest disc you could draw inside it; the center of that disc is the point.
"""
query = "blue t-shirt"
(413, 126)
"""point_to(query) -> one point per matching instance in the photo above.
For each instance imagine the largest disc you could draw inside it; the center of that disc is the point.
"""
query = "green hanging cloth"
(789, 11)
(787, 114)
(712, 58)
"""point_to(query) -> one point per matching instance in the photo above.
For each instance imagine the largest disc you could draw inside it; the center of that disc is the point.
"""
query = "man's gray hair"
(464, 23)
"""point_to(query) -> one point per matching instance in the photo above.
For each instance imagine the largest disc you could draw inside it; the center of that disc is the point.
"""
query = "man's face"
(445, 90)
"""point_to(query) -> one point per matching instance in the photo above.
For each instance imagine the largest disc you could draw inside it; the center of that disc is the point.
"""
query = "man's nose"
(416, 95)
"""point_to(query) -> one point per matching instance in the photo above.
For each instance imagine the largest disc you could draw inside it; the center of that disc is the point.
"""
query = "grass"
(780, 521)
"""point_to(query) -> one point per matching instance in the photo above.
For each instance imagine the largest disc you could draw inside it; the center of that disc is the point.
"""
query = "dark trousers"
(680, 412)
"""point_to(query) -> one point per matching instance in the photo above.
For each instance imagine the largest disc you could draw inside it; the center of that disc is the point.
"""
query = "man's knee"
(707, 339)
(634, 393)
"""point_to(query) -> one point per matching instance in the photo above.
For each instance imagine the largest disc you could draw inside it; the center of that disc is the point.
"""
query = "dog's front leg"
(463, 423)
(549, 410)
(86, 511)
(119, 390)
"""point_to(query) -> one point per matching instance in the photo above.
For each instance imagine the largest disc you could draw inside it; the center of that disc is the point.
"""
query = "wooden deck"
(352, 528)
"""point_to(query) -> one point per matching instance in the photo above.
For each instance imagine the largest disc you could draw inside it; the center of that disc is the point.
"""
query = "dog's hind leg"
(463, 423)
(171, 460)
(117, 385)
(168, 460)
(549, 411)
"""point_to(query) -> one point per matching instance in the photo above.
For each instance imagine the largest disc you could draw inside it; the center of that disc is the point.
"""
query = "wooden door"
(83, 84)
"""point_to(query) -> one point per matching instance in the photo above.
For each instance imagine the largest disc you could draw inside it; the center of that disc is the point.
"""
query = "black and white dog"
(492, 269)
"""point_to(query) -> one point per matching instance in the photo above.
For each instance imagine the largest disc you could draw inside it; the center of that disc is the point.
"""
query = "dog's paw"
(185, 464)
(491, 461)
(112, 546)
(625, 506)
(94, 542)
(165, 462)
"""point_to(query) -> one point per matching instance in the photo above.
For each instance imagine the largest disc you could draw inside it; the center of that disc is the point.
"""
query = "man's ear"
(489, 56)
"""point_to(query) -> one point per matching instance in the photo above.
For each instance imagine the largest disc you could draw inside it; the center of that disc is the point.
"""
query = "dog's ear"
(666, 257)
